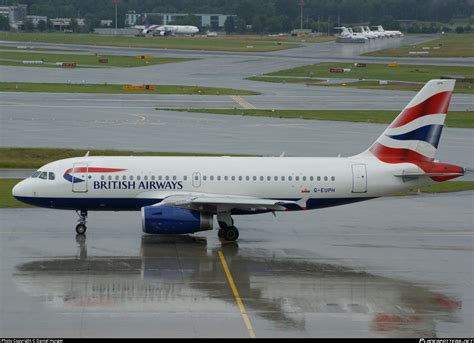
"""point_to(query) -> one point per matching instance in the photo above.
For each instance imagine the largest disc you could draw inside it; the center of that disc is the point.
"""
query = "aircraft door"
(80, 174)
(359, 178)
(196, 179)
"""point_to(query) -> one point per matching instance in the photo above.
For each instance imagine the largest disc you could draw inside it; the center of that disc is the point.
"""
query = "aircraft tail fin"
(415, 133)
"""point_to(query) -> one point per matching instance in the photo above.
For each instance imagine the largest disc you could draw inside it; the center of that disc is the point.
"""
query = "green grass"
(6, 198)
(33, 158)
(8, 201)
(444, 187)
(454, 119)
(231, 43)
(461, 87)
(373, 71)
(116, 89)
(451, 45)
(85, 60)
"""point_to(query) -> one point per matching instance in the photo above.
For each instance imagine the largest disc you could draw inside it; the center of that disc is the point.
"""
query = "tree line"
(269, 15)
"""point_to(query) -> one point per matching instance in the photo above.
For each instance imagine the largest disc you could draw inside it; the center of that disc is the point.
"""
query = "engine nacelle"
(167, 220)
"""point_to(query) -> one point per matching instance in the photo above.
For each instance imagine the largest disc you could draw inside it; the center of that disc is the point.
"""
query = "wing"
(215, 203)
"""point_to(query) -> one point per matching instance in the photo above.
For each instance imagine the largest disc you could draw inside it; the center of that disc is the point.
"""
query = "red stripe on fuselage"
(435, 104)
(93, 170)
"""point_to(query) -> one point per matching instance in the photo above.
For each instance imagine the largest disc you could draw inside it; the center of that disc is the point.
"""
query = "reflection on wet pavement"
(184, 274)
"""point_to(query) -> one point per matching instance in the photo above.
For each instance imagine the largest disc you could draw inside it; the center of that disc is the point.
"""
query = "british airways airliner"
(181, 195)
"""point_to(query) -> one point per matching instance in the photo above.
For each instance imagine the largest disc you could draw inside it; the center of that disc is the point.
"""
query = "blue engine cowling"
(166, 220)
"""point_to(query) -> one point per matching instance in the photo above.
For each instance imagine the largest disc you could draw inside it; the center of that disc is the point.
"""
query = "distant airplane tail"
(144, 20)
(414, 135)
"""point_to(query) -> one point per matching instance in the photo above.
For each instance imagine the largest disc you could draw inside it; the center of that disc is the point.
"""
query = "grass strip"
(224, 43)
(458, 119)
(33, 158)
(451, 45)
(85, 60)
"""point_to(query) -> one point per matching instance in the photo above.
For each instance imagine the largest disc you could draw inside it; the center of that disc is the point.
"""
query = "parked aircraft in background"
(181, 195)
(388, 33)
(346, 36)
(164, 30)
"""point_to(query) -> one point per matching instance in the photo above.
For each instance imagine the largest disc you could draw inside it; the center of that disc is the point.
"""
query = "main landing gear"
(81, 228)
(227, 229)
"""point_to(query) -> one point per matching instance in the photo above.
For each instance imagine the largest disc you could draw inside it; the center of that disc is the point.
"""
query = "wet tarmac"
(391, 267)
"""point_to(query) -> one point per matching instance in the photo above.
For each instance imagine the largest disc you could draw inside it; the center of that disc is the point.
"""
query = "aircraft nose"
(20, 189)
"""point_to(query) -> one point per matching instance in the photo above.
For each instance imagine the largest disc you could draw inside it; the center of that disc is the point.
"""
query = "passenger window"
(153, 178)
(138, 178)
(160, 177)
(167, 178)
(211, 177)
(276, 178)
(247, 178)
(131, 178)
(297, 178)
(319, 178)
(51, 176)
(110, 177)
(290, 178)
(102, 177)
(240, 178)
(233, 178)
(304, 178)
(117, 177)
(145, 178)
(269, 178)
(124, 177)
(185, 178)
(255, 178)
(226, 178)
(282, 178)
(204, 178)
(333, 178)
(174, 177)
(218, 178)
(43, 176)
(325, 178)
(311, 178)
(261, 178)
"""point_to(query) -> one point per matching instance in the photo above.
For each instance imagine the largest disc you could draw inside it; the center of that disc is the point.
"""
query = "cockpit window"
(51, 176)
(43, 175)
(36, 174)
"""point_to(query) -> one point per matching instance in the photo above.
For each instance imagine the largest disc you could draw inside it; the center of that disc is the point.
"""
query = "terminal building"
(15, 14)
(214, 21)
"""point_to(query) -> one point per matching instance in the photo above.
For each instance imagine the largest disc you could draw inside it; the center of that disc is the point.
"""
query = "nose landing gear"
(81, 228)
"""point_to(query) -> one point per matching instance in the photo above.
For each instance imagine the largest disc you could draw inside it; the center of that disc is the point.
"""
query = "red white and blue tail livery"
(182, 195)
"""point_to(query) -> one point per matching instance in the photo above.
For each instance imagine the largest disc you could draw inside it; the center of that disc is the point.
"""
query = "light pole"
(115, 2)
(301, 4)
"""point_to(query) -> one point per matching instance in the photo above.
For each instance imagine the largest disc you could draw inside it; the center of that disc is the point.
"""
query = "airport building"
(35, 19)
(214, 21)
(15, 14)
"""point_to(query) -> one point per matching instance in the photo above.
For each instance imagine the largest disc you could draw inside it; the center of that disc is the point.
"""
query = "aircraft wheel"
(81, 229)
(220, 233)
(230, 234)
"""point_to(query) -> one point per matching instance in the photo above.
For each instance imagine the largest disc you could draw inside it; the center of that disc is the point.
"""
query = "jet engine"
(167, 220)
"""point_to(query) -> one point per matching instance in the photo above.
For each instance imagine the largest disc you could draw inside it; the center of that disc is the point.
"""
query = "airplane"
(363, 31)
(164, 30)
(347, 36)
(181, 195)
(388, 33)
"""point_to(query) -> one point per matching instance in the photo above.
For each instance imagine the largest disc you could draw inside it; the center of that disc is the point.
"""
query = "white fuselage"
(128, 183)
